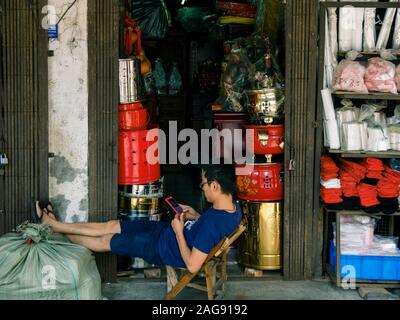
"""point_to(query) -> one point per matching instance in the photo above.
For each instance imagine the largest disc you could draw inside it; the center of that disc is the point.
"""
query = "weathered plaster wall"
(68, 113)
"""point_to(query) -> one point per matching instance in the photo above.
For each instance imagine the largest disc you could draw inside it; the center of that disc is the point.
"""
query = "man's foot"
(49, 210)
(43, 217)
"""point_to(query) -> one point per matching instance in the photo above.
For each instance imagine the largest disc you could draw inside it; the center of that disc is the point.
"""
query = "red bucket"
(130, 106)
(133, 163)
(133, 119)
(264, 182)
(268, 139)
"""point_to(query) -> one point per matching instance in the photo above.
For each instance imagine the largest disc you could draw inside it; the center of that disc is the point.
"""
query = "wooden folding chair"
(216, 258)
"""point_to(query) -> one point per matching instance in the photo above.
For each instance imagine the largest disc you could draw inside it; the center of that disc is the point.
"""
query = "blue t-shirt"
(203, 234)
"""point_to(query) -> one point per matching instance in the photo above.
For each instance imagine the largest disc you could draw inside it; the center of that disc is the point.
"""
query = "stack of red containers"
(139, 170)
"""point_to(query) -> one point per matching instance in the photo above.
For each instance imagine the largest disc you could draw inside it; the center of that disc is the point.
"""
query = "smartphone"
(174, 205)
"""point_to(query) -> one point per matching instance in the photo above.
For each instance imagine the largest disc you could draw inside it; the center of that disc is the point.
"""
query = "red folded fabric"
(373, 164)
(352, 169)
(392, 175)
(331, 196)
(368, 195)
(374, 174)
(329, 169)
(349, 189)
(387, 188)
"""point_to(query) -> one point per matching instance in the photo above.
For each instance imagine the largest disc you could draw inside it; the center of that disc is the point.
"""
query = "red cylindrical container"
(133, 164)
(268, 139)
(131, 106)
(260, 182)
(133, 119)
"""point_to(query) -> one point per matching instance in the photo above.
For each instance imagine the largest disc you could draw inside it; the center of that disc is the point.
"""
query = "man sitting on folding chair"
(196, 235)
(184, 243)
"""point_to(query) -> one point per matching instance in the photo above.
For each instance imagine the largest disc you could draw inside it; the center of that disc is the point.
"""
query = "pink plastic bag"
(349, 76)
(397, 78)
(380, 76)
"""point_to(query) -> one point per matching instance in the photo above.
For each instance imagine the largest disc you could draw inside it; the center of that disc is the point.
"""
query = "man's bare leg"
(96, 244)
(81, 229)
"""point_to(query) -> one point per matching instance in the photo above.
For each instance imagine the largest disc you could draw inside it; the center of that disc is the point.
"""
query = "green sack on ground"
(38, 265)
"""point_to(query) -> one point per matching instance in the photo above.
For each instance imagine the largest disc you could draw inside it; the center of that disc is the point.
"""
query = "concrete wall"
(68, 113)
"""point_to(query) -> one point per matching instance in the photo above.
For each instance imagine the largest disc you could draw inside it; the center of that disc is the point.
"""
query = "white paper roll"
(346, 18)
(369, 28)
(332, 134)
(386, 26)
(396, 32)
(357, 37)
(352, 136)
(329, 108)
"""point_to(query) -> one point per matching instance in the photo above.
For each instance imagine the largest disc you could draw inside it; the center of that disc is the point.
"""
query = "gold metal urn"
(260, 245)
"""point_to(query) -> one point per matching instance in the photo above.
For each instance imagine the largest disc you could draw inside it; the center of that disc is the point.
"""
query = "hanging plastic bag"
(235, 79)
(369, 109)
(369, 28)
(380, 76)
(151, 16)
(160, 77)
(191, 18)
(174, 80)
(149, 83)
(349, 75)
(38, 265)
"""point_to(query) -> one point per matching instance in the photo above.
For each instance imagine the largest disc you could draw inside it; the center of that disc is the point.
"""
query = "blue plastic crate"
(378, 268)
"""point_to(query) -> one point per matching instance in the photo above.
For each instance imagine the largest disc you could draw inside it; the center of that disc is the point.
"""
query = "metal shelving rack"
(336, 276)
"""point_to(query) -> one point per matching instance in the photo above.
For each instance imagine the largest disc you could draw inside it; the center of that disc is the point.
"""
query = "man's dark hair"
(224, 174)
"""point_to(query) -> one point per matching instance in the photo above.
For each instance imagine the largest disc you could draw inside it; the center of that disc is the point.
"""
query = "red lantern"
(268, 139)
(263, 182)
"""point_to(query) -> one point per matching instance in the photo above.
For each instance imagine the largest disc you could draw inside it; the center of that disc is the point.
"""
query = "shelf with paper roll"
(370, 53)
(361, 213)
(366, 96)
(365, 154)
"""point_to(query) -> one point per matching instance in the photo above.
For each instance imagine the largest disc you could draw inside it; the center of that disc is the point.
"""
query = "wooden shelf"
(369, 54)
(365, 154)
(366, 96)
(361, 213)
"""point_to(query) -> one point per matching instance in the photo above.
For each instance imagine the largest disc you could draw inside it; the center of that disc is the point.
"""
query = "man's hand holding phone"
(189, 212)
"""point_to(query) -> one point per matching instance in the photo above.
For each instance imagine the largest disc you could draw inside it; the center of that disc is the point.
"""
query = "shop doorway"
(301, 251)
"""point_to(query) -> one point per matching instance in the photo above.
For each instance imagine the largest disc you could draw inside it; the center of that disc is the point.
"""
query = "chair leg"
(211, 274)
(172, 278)
(171, 295)
(224, 275)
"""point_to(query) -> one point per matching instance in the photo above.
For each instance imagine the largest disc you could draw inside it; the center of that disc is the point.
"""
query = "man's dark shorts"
(139, 239)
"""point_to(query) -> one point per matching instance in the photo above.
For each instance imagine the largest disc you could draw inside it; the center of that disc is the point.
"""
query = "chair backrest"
(225, 243)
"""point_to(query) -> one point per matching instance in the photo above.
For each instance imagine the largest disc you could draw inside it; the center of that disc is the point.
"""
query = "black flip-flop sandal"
(49, 211)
